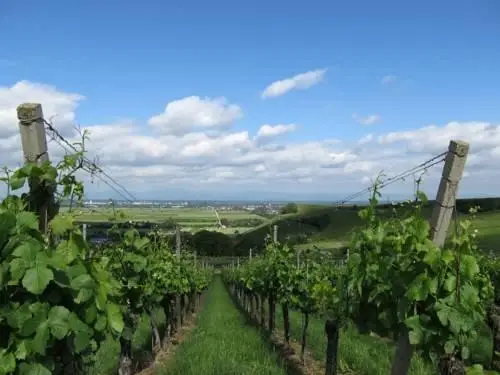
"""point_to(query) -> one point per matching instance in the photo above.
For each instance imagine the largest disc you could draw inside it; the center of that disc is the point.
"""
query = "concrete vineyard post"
(440, 221)
(250, 254)
(84, 231)
(275, 234)
(448, 187)
(34, 143)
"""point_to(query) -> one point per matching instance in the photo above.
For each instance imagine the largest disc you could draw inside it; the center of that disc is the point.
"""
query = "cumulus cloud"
(298, 82)
(366, 120)
(193, 160)
(184, 115)
(57, 105)
(268, 133)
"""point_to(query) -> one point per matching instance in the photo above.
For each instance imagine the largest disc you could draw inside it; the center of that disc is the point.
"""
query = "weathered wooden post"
(440, 221)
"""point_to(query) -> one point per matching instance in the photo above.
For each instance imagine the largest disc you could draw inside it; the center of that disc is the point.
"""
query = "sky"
(258, 100)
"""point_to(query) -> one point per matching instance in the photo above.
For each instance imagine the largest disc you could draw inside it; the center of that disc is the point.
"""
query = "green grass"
(222, 343)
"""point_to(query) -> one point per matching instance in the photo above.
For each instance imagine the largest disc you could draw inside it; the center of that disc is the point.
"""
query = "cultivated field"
(191, 219)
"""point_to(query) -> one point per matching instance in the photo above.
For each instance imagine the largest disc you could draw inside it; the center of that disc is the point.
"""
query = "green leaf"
(90, 313)
(39, 342)
(22, 350)
(447, 256)
(27, 219)
(469, 265)
(7, 362)
(476, 369)
(84, 295)
(17, 183)
(60, 224)
(449, 346)
(100, 324)
(18, 268)
(16, 318)
(34, 369)
(115, 318)
(450, 283)
(58, 321)
(82, 281)
(81, 340)
(465, 353)
(36, 279)
(415, 337)
(68, 250)
(28, 251)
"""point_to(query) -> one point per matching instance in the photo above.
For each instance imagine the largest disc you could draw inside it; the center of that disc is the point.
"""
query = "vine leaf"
(61, 224)
(115, 318)
(37, 278)
(58, 321)
(7, 362)
(34, 369)
(39, 342)
(17, 183)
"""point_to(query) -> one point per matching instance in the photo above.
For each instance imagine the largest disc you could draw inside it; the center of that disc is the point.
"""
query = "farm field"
(191, 219)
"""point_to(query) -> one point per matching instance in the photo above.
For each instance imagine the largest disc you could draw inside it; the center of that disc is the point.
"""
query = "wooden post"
(445, 200)
(440, 221)
(178, 307)
(34, 143)
(275, 234)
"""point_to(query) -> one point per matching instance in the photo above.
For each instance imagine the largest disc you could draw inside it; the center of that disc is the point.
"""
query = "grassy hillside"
(331, 227)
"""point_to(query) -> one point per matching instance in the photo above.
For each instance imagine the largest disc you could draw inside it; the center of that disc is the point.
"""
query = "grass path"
(222, 343)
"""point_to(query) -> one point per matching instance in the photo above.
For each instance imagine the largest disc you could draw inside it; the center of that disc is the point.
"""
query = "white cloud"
(366, 120)
(366, 139)
(194, 160)
(298, 82)
(274, 130)
(388, 79)
(267, 133)
(184, 115)
(57, 105)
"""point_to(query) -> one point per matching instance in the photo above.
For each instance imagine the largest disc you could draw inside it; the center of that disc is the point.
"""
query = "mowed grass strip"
(223, 344)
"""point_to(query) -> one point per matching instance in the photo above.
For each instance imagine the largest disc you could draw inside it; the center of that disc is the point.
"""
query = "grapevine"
(396, 283)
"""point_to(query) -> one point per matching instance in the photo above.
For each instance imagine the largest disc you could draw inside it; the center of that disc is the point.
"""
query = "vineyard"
(404, 299)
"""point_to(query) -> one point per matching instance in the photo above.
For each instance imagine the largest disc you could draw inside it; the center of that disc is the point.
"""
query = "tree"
(210, 243)
(290, 208)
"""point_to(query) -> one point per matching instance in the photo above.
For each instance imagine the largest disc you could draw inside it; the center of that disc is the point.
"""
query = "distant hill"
(322, 224)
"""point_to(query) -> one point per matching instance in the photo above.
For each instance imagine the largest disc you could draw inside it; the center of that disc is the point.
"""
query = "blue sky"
(129, 59)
